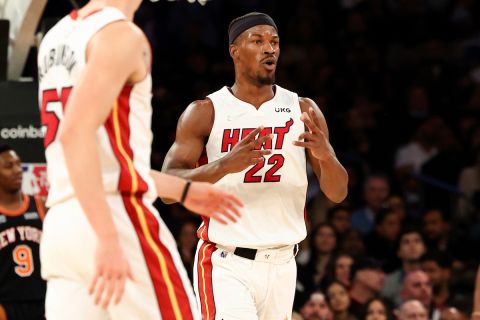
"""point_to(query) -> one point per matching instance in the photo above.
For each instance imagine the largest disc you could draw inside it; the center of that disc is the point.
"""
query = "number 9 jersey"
(61, 59)
(20, 233)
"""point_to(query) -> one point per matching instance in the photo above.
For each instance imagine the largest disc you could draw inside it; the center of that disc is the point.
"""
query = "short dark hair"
(445, 217)
(407, 230)
(383, 214)
(443, 259)
(5, 148)
(377, 175)
(333, 210)
(331, 283)
(301, 298)
(386, 304)
(362, 263)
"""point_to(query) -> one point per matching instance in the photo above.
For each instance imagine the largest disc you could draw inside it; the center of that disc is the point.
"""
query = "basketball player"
(103, 241)
(256, 135)
(22, 290)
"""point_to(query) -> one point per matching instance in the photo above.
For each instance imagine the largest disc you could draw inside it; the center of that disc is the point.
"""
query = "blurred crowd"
(399, 84)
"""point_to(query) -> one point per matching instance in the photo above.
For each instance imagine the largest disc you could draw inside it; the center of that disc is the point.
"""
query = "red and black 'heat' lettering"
(232, 136)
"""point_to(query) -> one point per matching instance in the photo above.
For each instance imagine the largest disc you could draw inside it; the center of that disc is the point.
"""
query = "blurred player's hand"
(210, 201)
(111, 272)
(243, 155)
(315, 139)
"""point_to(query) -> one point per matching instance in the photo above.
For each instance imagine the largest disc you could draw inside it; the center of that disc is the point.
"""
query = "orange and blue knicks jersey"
(124, 140)
(273, 191)
(20, 234)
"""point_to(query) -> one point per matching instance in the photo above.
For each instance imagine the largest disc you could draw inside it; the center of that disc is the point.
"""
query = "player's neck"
(11, 200)
(253, 94)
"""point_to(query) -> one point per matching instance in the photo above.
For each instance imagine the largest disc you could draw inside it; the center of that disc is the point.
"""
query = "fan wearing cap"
(257, 137)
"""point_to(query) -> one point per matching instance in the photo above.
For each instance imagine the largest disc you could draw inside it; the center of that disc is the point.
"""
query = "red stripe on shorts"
(171, 296)
(179, 286)
(205, 284)
(151, 260)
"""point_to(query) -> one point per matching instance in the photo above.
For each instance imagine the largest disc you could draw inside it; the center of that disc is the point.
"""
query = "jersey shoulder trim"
(20, 210)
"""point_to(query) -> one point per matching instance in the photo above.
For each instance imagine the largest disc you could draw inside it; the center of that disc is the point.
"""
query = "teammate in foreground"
(257, 136)
(105, 251)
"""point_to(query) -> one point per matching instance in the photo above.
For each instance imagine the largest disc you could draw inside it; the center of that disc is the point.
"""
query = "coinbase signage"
(20, 125)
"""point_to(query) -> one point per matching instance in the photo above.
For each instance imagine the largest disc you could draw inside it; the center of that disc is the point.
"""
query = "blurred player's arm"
(200, 197)
(113, 59)
(193, 129)
(331, 175)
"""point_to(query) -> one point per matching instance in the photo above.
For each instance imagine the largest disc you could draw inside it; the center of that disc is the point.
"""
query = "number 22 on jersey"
(51, 111)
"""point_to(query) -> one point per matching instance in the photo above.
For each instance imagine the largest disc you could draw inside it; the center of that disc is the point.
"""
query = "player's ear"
(233, 51)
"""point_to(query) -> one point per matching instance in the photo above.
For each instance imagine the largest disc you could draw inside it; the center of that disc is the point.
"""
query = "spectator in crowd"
(353, 243)
(338, 269)
(418, 106)
(367, 278)
(396, 203)
(438, 266)
(469, 186)
(452, 313)
(440, 235)
(315, 307)
(411, 246)
(378, 309)
(450, 155)
(410, 158)
(412, 310)
(417, 286)
(339, 301)
(323, 243)
(423, 146)
(187, 243)
(376, 192)
(382, 241)
(339, 217)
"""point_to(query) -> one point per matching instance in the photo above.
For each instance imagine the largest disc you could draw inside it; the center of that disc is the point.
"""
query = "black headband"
(240, 24)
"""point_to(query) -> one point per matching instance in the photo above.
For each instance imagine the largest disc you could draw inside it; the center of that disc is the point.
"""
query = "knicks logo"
(280, 109)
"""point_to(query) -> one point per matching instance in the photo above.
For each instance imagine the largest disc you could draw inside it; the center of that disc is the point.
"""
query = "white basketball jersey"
(273, 191)
(124, 141)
